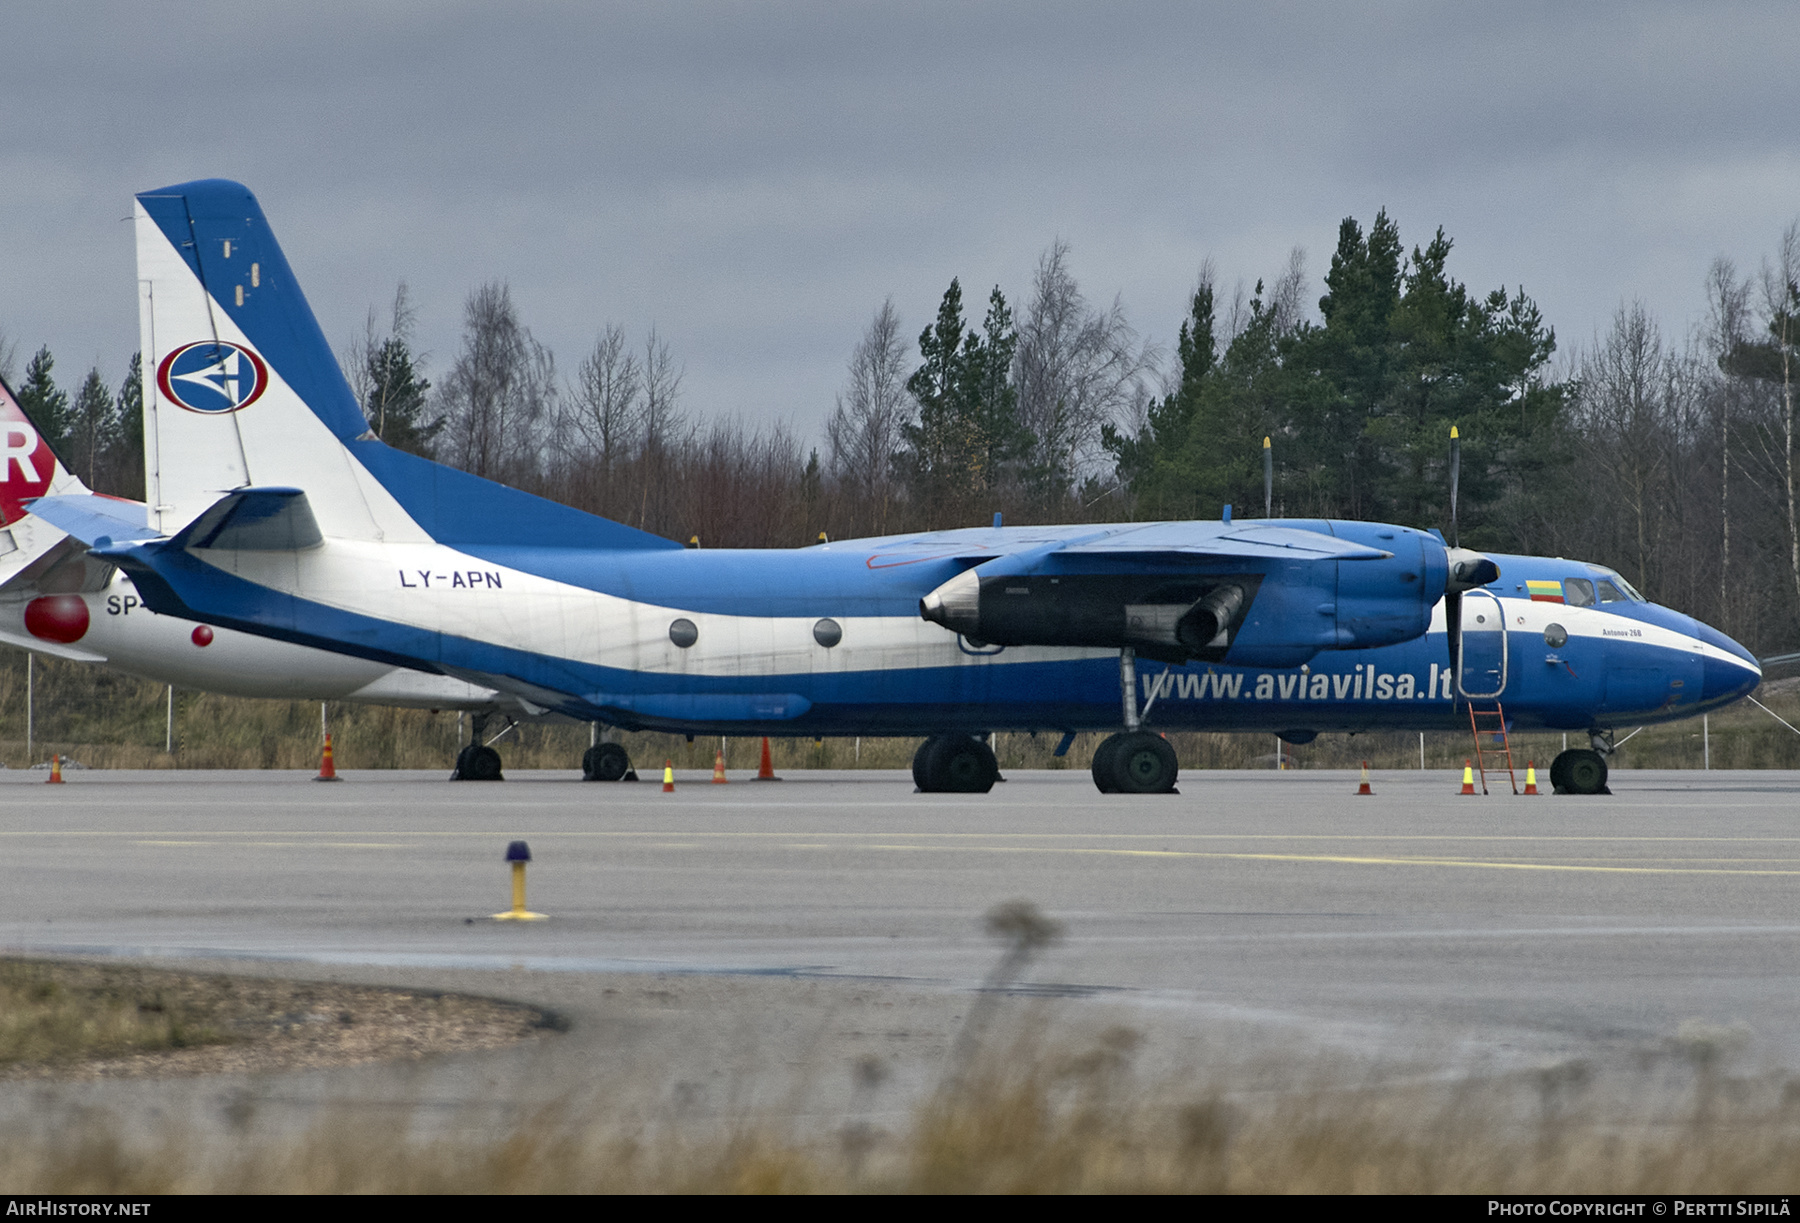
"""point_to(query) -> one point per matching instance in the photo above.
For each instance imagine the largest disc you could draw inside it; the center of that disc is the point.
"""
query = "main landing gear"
(607, 762)
(477, 761)
(1581, 770)
(1135, 761)
(954, 764)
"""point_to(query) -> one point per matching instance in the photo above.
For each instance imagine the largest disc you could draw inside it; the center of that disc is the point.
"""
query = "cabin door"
(1482, 674)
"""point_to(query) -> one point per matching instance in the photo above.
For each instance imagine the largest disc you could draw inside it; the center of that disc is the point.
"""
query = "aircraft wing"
(1248, 541)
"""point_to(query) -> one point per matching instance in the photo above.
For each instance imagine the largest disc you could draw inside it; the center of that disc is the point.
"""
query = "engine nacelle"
(1247, 610)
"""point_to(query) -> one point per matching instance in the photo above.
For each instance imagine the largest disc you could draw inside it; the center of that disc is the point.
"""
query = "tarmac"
(812, 948)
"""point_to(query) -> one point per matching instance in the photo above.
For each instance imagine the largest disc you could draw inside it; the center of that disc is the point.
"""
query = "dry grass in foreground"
(67, 1020)
(1034, 1122)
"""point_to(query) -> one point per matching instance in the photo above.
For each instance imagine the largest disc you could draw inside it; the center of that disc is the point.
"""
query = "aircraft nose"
(1729, 670)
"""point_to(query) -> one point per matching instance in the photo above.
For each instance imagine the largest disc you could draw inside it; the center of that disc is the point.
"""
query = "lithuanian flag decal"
(1544, 592)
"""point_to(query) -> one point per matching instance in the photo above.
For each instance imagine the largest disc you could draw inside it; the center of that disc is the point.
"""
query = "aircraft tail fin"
(241, 389)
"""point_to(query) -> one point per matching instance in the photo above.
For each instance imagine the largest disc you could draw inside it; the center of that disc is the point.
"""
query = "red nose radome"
(61, 618)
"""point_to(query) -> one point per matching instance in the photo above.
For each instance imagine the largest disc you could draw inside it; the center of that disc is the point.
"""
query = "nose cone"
(1728, 671)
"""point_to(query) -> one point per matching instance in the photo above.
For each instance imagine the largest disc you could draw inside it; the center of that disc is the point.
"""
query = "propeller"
(1469, 570)
(1268, 480)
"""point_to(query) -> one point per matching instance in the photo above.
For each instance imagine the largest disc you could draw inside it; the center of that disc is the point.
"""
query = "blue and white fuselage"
(273, 510)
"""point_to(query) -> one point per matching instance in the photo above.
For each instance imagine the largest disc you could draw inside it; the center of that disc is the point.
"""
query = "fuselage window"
(1610, 593)
(1578, 592)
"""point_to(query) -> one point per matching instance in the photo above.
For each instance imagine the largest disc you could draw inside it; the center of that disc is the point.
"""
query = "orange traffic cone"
(1530, 778)
(327, 770)
(55, 778)
(668, 778)
(1364, 788)
(1468, 779)
(766, 770)
(719, 768)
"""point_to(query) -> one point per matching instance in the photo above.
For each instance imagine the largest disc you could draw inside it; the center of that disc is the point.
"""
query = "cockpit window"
(1630, 591)
(1610, 593)
(1578, 592)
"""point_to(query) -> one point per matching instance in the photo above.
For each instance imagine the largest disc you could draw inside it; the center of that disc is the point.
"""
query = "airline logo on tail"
(26, 463)
(212, 377)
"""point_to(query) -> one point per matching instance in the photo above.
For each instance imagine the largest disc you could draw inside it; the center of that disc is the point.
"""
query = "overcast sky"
(753, 179)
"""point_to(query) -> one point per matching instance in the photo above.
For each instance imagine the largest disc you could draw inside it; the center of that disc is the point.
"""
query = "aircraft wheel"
(1579, 771)
(955, 764)
(476, 763)
(605, 762)
(1104, 778)
(1143, 763)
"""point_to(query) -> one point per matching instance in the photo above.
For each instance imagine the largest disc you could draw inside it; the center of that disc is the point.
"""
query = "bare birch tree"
(1781, 306)
(1287, 300)
(1623, 382)
(1076, 369)
(863, 432)
(1727, 320)
(500, 395)
(606, 403)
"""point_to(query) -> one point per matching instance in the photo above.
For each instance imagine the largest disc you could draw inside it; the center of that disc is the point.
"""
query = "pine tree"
(92, 426)
(396, 405)
(967, 430)
(124, 459)
(47, 406)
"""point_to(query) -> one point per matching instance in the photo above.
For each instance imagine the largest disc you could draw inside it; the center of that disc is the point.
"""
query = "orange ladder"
(1497, 716)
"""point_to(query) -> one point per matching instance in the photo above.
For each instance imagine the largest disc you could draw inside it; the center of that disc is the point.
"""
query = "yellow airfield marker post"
(518, 853)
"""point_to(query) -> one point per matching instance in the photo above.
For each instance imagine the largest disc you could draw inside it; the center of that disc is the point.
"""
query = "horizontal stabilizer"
(91, 518)
(55, 649)
(255, 520)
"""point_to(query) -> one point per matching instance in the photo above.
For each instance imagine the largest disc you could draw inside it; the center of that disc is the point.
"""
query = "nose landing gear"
(1583, 770)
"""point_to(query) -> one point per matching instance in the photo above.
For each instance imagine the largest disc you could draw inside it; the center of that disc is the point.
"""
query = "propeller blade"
(1453, 636)
(1455, 480)
(1268, 480)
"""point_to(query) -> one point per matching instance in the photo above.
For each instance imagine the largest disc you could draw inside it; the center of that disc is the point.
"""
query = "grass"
(61, 1019)
(1017, 1110)
(111, 721)
(1033, 1118)
(51, 1016)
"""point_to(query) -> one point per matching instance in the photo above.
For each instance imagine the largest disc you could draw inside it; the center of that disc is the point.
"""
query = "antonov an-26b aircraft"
(274, 511)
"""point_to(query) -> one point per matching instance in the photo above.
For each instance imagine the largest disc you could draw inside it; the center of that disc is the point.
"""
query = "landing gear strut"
(1583, 771)
(477, 762)
(954, 764)
(1136, 761)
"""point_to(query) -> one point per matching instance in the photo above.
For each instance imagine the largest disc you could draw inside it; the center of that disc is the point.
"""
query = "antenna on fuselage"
(1268, 480)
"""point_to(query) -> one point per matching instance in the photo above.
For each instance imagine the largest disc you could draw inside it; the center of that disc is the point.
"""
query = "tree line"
(1668, 456)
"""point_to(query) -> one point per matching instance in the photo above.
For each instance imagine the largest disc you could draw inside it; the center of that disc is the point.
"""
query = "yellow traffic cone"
(1468, 778)
(719, 778)
(55, 778)
(668, 778)
(1364, 788)
(1530, 778)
